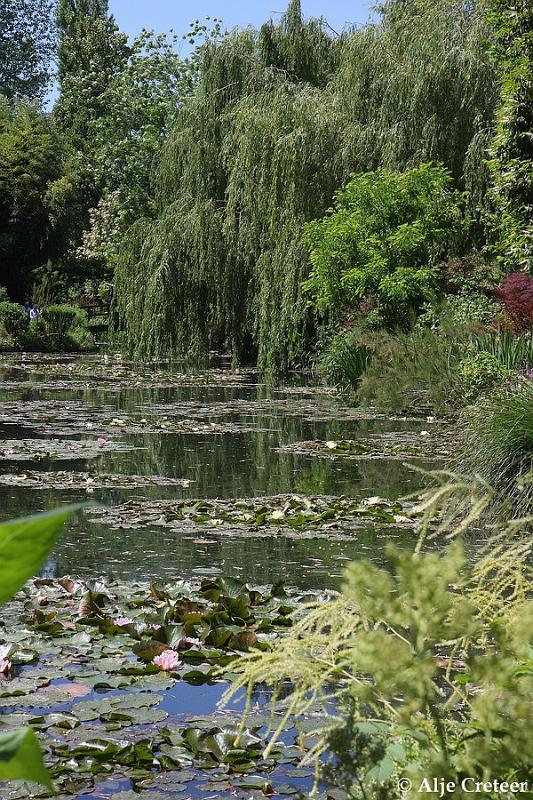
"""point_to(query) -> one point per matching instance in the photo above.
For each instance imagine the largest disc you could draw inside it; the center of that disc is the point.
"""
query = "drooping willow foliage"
(279, 120)
(512, 147)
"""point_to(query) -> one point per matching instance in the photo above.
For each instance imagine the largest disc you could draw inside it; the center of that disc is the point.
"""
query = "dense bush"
(473, 309)
(479, 373)
(58, 327)
(498, 444)
(381, 242)
(13, 318)
(515, 295)
(470, 275)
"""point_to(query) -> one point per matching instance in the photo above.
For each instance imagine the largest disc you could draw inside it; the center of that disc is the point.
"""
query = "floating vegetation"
(46, 450)
(317, 408)
(67, 480)
(96, 671)
(70, 418)
(394, 445)
(303, 517)
(108, 372)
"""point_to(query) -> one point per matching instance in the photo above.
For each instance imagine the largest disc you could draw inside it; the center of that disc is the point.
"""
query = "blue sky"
(160, 15)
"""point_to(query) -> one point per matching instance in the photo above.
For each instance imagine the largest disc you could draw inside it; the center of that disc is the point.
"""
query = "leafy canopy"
(26, 48)
(381, 241)
(278, 120)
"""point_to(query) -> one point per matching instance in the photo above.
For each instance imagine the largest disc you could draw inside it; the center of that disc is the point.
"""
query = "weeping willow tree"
(278, 121)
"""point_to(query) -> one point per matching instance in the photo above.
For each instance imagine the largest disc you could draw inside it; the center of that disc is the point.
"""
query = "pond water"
(185, 477)
(241, 462)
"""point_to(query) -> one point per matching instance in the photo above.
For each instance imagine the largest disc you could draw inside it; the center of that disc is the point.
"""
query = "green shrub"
(498, 444)
(344, 361)
(381, 242)
(473, 309)
(400, 650)
(58, 327)
(479, 373)
(13, 318)
(56, 321)
(3, 294)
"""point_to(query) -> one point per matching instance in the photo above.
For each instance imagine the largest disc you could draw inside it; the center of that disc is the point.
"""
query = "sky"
(132, 16)
(161, 15)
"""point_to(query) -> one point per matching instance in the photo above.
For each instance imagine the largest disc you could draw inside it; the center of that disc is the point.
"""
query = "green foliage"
(398, 650)
(20, 758)
(24, 547)
(475, 309)
(498, 444)
(58, 327)
(90, 52)
(343, 361)
(13, 318)
(512, 145)
(26, 48)
(479, 373)
(514, 352)
(277, 121)
(30, 162)
(380, 241)
(414, 370)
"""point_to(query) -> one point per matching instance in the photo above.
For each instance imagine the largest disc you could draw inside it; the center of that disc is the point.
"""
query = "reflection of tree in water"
(243, 464)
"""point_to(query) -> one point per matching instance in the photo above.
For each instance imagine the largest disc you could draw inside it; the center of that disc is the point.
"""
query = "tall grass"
(514, 352)
(344, 362)
(498, 445)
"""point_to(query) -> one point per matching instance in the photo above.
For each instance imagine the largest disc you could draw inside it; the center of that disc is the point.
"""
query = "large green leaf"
(21, 759)
(24, 547)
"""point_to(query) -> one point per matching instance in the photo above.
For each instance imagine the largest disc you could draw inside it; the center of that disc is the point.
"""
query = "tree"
(141, 104)
(26, 47)
(91, 51)
(512, 147)
(278, 120)
(377, 249)
(31, 157)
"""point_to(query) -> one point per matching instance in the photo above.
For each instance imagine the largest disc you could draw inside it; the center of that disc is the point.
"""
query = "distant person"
(34, 312)
(27, 306)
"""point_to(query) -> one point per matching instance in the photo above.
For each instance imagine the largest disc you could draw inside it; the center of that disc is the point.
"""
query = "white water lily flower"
(424, 433)
(331, 445)
(168, 660)
(278, 514)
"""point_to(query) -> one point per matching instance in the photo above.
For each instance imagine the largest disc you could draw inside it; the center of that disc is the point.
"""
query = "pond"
(189, 477)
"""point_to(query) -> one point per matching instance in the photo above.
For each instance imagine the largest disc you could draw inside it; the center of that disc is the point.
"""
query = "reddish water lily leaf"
(72, 689)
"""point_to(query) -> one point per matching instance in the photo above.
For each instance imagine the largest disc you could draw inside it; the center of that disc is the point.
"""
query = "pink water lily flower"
(120, 621)
(8, 451)
(189, 641)
(168, 660)
(5, 667)
(101, 441)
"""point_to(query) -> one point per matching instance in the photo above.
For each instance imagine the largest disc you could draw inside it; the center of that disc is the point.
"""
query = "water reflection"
(224, 465)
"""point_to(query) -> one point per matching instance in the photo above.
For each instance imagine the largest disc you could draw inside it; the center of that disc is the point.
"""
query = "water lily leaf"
(21, 759)
(24, 546)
